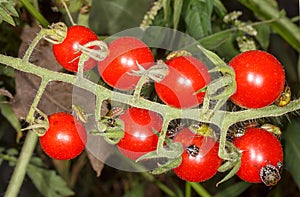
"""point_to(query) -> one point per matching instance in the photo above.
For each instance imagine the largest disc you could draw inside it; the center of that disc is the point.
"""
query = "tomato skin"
(259, 148)
(139, 137)
(186, 76)
(65, 138)
(67, 51)
(260, 79)
(202, 167)
(124, 52)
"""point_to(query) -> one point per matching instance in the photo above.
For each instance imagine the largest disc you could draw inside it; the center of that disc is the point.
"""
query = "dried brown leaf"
(57, 96)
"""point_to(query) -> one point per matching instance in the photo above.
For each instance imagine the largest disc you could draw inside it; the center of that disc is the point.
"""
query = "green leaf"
(198, 17)
(9, 7)
(177, 12)
(35, 13)
(48, 182)
(4, 16)
(167, 8)
(112, 16)
(292, 151)
(234, 190)
(8, 71)
(265, 10)
(12, 152)
(9, 114)
(1, 151)
(136, 191)
(231, 173)
(214, 40)
(7, 10)
(220, 8)
(263, 35)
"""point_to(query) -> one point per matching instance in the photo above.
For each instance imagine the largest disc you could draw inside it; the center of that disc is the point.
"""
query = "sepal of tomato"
(259, 148)
(124, 54)
(186, 75)
(67, 53)
(139, 138)
(200, 165)
(65, 138)
(260, 79)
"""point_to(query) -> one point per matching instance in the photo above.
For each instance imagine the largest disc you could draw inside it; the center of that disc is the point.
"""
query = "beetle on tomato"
(262, 156)
(200, 160)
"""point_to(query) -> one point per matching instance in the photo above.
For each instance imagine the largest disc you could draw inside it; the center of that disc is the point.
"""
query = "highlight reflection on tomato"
(259, 148)
(186, 75)
(260, 79)
(66, 137)
(123, 55)
(140, 137)
(67, 53)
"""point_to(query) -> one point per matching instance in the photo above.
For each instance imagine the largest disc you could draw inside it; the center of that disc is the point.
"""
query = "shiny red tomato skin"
(186, 76)
(260, 79)
(66, 53)
(124, 52)
(259, 148)
(139, 137)
(202, 167)
(65, 138)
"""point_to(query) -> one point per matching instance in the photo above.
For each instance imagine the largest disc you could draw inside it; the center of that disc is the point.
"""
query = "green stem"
(138, 89)
(22, 163)
(164, 188)
(102, 93)
(169, 113)
(27, 149)
(188, 189)
(32, 46)
(152, 179)
(35, 13)
(200, 189)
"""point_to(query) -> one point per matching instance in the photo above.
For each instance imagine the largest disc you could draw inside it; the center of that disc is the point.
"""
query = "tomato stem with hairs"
(168, 113)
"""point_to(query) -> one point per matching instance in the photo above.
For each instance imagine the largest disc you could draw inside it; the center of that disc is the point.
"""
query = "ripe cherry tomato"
(200, 160)
(186, 76)
(140, 138)
(67, 53)
(123, 54)
(260, 149)
(260, 79)
(66, 137)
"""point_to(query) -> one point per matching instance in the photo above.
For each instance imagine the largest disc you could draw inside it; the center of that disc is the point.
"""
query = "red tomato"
(123, 54)
(67, 53)
(200, 160)
(260, 79)
(140, 137)
(186, 76)
(66, 137)
(260, 148)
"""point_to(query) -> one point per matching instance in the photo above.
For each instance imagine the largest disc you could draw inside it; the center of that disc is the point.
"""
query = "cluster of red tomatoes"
(257, 87)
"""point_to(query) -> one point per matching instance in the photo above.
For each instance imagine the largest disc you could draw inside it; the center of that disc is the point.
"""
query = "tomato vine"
(168, 113)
